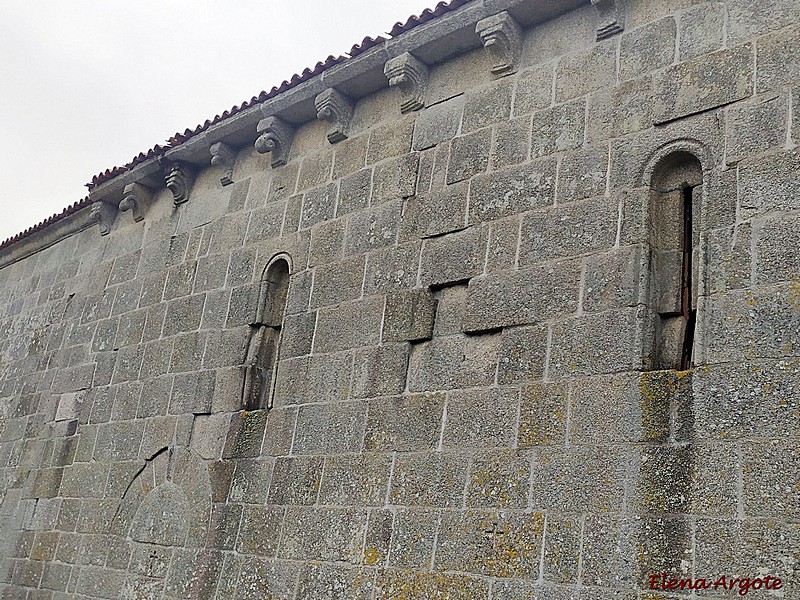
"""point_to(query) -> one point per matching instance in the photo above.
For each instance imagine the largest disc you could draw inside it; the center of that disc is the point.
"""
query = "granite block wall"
(464, 401)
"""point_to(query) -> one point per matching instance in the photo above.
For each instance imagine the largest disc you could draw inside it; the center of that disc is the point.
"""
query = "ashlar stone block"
(409, 316)
(647, 48)
(438, 123)
(686, 88)
(481, 418)
(510, 191)
(405, 423)
(429, 479)
(454, 362)
(380, 371)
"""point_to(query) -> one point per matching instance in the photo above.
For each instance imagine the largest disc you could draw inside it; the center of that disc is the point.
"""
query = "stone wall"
(466, 394)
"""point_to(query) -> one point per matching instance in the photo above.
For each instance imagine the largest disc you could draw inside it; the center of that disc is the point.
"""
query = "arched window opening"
(675, 202)
(265, 332)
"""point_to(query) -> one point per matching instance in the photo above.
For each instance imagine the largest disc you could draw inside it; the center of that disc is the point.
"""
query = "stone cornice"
(433, 42)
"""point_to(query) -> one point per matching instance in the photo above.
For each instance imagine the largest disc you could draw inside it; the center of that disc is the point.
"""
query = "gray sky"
(87, 84)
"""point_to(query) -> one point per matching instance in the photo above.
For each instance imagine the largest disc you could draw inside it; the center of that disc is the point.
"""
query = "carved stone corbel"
(411, 76)
(502, 37)
(336, 109)
(135, 197)
(276, 136)
(104, 214)
(222, 155)
(179, 179)
(612, 18)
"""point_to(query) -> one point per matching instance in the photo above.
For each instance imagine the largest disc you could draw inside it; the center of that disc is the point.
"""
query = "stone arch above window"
(265, 334)
(674, 239)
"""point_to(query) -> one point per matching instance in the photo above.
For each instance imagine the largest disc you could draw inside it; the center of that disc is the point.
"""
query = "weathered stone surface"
(481, 418)
(409, 316)
(330, 428)
(685, 88)
(331, 534)
(586, 71)
(295, 480)
(380, 371)
(356, 481)
(439, 211)
(429, 479)
(404, 423)
(438, 123)
(624, 108)
(453, 362)
(765, 184)
(510, 191)
(348, 325)
(487, 105)
(521, 297)
(701, 30)
(756, 127)
(647, 48)
(559, 128)
(373, 228)
(453, 258)
(534, 90)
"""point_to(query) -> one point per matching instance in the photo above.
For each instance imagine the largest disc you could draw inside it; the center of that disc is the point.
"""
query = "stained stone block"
(251, 480)
(501, 255)
(361, 480)
(454, 362)
(469, 155)
(776, 250)
(584, 478)
(574, 229)
(395, 178)
(768, 183)
(534, 90)
(582, 174)
(405, 423)
(291, 382)
(299, 293)
(392, 268)
(349, 325)
(438, 123)
(329, 582)
(440, 211)
(755, 127)
(729, 250)
(319, 205)
(373, 228)
(454, 257)
(330, 428)
(685, 88)
(614, 279)
(429, 479)
(192, 393)
(778, 60)
(510, 191)
(490, 543)
(647, 48)
(622, 109)
(522, 297)
(603, 343)
(499, 479)
(380, 371)
(481, 418)
(752, 325)
(400, 583)
(208, 435)
(413, 538)
(100, 583)
(245, 434)
(586, 71)
(409, 316)
(354, 192)
(315, 170)
(338, 282)
(327, 534)
(558, 128)
(487, 105)
(295, 480)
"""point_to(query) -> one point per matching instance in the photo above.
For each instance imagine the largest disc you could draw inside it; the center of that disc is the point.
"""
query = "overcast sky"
(87, 84)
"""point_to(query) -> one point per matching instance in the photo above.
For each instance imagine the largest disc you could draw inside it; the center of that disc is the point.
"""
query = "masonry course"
(419, 333)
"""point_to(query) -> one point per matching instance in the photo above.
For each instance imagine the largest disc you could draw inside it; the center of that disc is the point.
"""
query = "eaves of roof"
(334, 71)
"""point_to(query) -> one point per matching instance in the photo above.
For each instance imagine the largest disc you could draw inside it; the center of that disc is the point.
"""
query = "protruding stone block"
(409, 316)
(275, 136)
(179, 178)
(335, 108)
(612, 18)
(502, 37)
(222, 155)
(135, 197)
(104, 214)
(411, 76)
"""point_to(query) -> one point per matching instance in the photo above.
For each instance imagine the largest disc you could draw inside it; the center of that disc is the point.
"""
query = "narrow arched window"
(674, 238)
(265, 333)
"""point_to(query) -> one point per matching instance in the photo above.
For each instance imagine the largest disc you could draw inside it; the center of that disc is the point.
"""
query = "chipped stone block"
(454, 257)
(438, 123)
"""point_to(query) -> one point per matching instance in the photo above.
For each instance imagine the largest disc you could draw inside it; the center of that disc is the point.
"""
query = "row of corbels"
(500, 35)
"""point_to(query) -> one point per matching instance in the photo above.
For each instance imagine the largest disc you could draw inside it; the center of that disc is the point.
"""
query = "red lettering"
(777, 585)
(684, 583)
(721, 581)
(756, 581)
(653, 580)
(702, 584)
(744, 586)
(673, 584)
